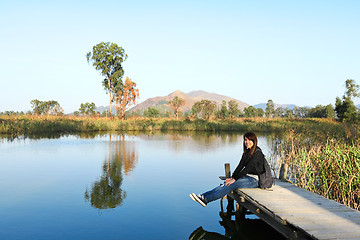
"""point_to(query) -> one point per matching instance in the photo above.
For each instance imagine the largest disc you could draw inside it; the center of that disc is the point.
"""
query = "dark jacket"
(257, 165)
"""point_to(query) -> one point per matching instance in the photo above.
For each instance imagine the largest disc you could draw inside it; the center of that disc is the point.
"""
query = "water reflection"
(55, 135)
(177, 140)
(106, 192)
(194, 141)
(237, 226)
(245, 229)
(55, 174)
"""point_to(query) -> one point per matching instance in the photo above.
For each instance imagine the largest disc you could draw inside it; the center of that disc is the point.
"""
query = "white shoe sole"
(197, 199)
(191, 196)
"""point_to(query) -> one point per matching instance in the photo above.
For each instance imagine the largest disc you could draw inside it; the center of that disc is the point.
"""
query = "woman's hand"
(229, 181)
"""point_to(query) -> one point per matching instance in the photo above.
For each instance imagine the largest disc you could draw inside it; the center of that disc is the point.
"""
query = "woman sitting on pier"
(252, 162)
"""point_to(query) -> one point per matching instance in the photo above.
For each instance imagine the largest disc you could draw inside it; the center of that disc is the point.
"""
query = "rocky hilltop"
(190, 98)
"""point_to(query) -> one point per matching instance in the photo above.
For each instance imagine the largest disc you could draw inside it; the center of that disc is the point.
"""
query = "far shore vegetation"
(30, 124)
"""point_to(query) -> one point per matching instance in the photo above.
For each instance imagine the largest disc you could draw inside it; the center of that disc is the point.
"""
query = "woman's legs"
(222, 190)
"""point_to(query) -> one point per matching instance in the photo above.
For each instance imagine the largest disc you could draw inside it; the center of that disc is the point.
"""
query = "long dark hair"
(251, 136)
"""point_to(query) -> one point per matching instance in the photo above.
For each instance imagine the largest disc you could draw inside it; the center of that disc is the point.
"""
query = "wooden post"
(230, 206)
(227, 170)
(283, 172)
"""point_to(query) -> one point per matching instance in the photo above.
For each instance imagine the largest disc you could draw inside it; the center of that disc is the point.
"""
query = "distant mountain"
(161, 103)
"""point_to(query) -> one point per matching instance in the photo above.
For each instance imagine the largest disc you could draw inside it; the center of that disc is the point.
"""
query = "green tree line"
(344, 109)
(206, 109)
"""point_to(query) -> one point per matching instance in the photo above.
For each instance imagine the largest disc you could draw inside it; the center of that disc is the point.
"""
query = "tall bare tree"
(107, 58)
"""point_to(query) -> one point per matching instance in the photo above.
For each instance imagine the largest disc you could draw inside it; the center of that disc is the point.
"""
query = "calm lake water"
(116, 186)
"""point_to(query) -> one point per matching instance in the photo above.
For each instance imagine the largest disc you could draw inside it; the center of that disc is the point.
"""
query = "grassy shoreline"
(330, 168)
(22, 125)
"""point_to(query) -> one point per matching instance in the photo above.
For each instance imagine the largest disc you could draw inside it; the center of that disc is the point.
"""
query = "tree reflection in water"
(106, 192)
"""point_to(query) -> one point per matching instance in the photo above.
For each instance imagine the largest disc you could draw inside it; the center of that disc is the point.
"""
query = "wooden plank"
(277, 223)
(333, 234)
(310, 208)
(339, 217)
(301, 212)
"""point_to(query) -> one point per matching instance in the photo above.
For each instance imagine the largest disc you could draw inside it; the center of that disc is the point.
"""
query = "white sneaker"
(198, 199)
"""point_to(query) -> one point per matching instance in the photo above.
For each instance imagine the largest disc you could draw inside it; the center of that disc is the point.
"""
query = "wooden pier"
(300, 214)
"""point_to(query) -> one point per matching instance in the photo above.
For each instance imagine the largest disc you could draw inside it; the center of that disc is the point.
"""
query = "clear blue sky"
(299, 51)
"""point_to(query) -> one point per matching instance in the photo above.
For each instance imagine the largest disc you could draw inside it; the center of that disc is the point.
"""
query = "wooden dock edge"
(282, 226)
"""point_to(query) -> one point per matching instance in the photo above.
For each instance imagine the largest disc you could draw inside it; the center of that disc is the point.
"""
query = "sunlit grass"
(329, 168)
(43, 124)
(29, 124)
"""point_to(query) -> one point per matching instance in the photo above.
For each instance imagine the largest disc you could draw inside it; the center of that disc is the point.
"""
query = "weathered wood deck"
(300, 214)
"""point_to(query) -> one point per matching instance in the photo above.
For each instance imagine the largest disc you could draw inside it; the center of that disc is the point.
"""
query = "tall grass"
(16, 125)
(329, 168)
